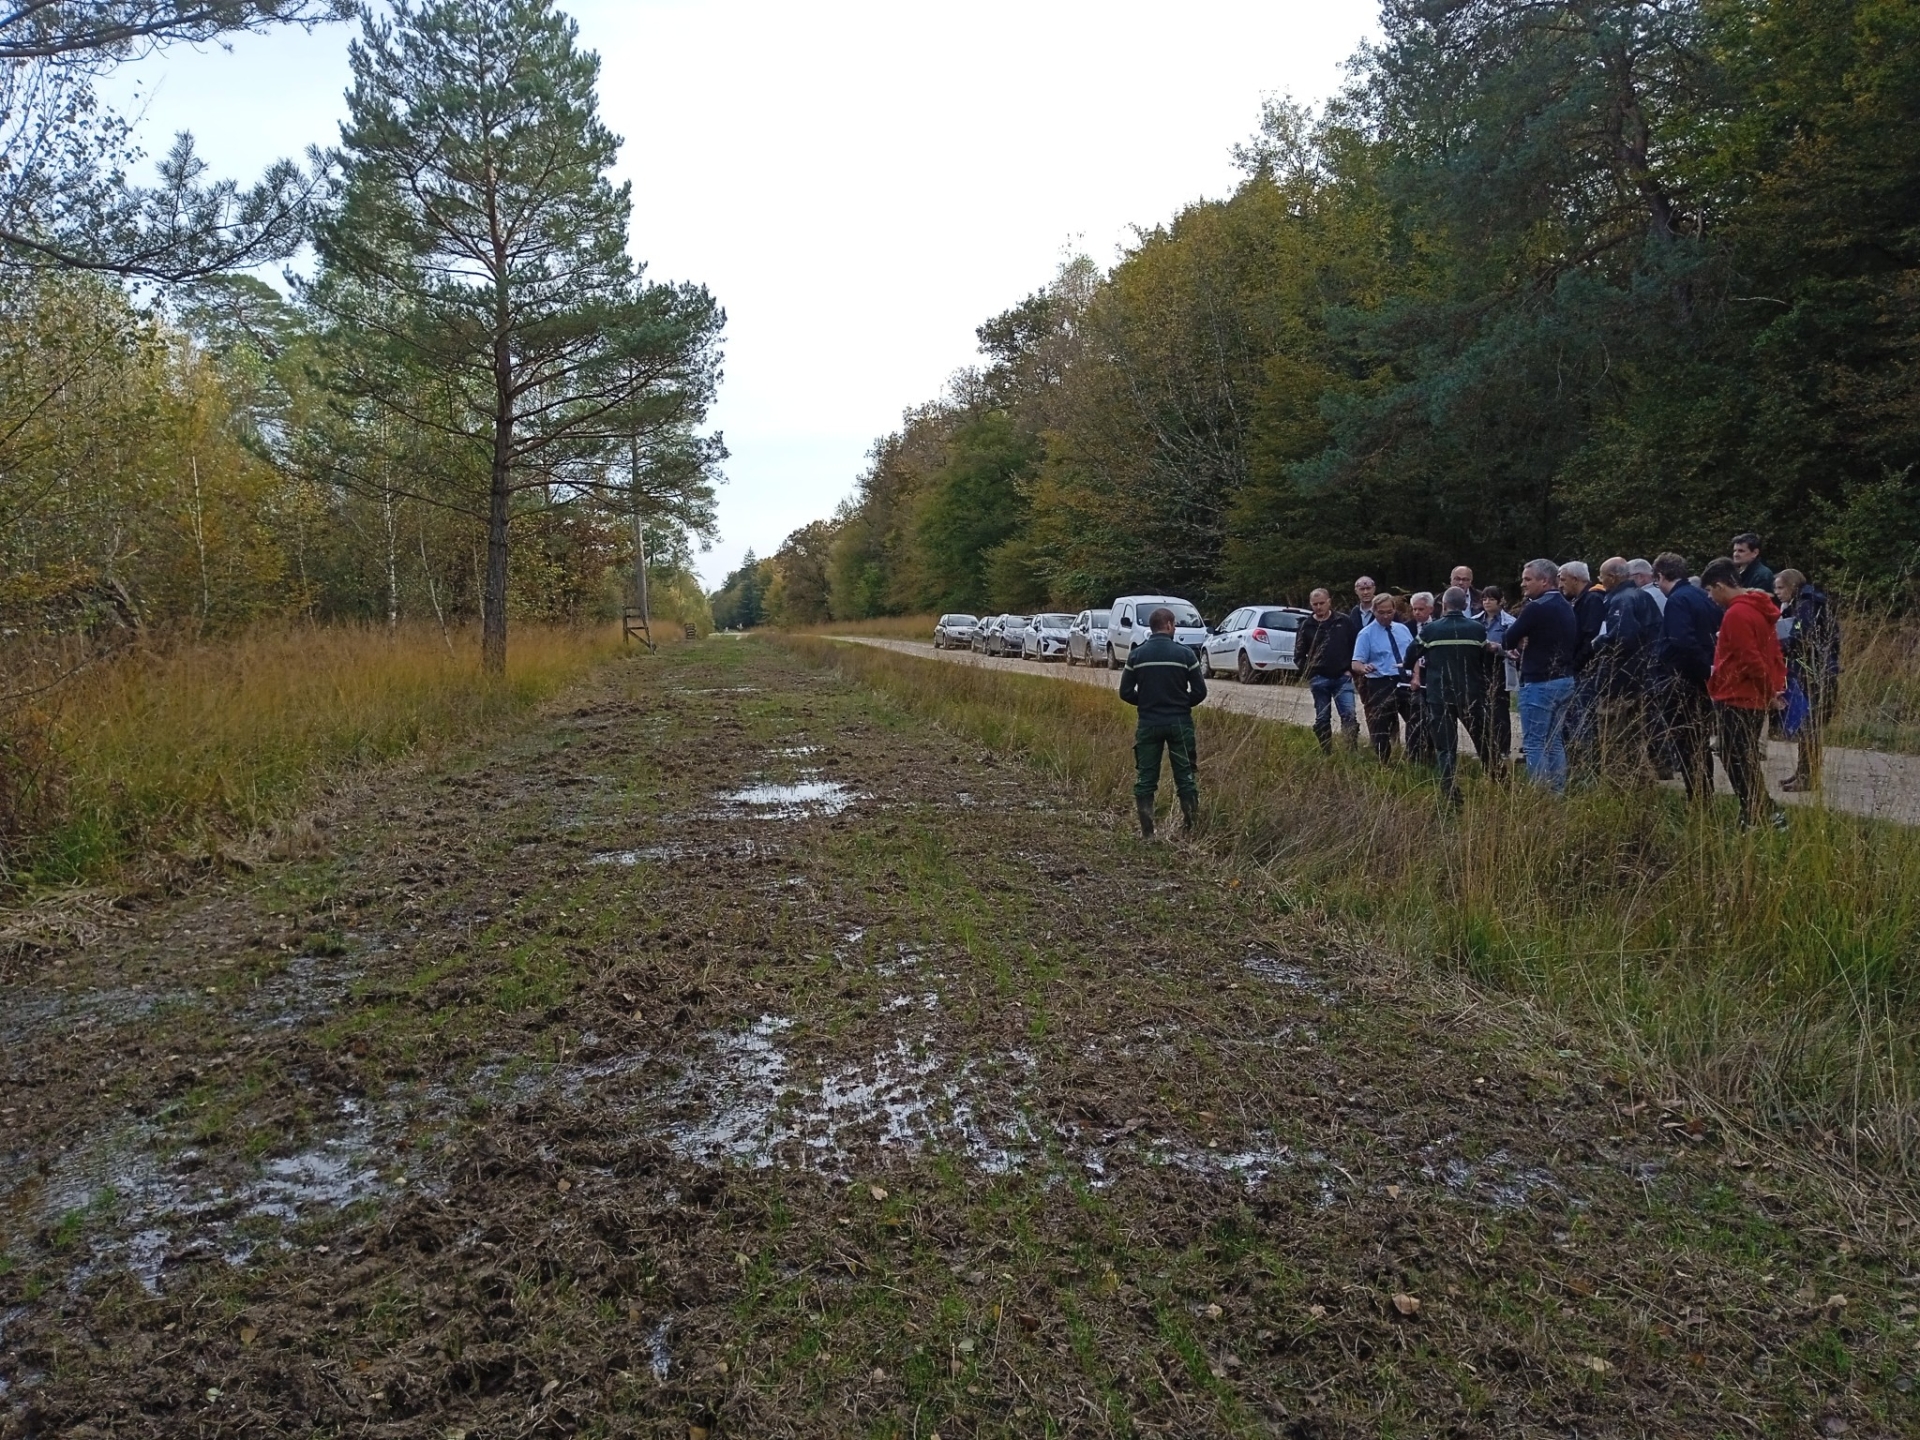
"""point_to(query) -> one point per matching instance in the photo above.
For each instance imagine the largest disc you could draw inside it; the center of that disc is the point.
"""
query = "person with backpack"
(1811, 640)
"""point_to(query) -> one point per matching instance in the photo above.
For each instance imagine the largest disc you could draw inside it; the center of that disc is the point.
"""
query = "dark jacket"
(1456, 653)
(1633, 639)
(1163, 677)
(1756, 576)
(1690, 625)
(1813, 645)
(1590, 612)
(1748, 668)
(1325, 650)
(1546, 634)
(1360, 615)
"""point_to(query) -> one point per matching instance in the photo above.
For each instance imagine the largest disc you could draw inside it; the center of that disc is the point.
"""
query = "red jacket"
(1748, 666)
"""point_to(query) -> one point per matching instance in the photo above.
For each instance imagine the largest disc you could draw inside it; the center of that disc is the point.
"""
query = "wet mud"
(725, 1053)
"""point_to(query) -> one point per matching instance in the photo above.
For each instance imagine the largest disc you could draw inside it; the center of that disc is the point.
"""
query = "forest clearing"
(588, 1080)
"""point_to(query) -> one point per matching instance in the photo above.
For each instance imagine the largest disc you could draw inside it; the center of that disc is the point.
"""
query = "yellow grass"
(174, 747)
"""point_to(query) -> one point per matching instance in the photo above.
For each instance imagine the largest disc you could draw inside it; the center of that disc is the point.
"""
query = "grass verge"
(1774, 974)
(177, 747)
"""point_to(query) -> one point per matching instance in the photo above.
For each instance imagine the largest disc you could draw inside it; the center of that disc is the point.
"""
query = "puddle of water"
(1291, 977)
(1496, 1180)
(659, 1358)
(164, 1210)
(683, 850)
(790, 802)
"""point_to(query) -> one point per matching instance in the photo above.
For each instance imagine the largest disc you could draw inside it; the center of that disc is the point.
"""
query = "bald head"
(1613, 573)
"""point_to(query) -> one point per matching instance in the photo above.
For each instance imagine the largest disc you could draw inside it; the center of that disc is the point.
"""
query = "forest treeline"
(1549, 277)
(471, 368)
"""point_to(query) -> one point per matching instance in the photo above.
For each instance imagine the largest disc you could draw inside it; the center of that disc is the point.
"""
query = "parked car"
(954, 632)
(977, 642)
(1254, 641)
(1007, 635)
(1129, 626)
(1046, 637)
(1087, 637)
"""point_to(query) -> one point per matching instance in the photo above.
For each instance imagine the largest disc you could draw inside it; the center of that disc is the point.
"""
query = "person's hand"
(1780, 701)
(1361, 667)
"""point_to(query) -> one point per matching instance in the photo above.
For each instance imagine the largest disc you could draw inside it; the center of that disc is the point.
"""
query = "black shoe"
(1189, 813)
(1144, 809)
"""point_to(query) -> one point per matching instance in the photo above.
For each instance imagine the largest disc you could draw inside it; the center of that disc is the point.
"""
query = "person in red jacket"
(1749, 679)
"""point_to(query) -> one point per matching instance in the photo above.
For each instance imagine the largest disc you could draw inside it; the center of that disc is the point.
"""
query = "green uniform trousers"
(1176, 738)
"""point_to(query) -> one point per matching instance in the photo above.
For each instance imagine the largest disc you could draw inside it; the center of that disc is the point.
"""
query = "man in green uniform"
(1455, 651)
(1164, 680)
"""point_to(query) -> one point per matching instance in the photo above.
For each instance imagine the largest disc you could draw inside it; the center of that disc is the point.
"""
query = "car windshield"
(1053, 622)
(1013, 620)
(1101, 619)
(1280, 620)
(960, 619)
(1185, 615)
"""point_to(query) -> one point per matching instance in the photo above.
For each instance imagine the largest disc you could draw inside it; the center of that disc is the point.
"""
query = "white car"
(1129, 626)
(1087, 639)
(954, 632)
(1046, 637)
(1254, 641)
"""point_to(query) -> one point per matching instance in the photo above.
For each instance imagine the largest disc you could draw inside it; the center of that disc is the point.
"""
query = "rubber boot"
(1189, 812)
(1144, 809)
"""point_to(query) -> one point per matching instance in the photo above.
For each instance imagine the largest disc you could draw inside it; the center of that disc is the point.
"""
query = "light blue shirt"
(1375, 649)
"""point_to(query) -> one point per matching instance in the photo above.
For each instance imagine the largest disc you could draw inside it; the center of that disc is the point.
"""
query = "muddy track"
(730, 1053)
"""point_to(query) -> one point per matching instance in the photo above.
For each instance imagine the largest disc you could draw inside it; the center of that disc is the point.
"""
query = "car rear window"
(1053, 622)
(1102, 618)
(1280, 620)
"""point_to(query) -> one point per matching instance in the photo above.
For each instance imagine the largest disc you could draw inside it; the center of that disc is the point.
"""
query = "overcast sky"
(860, 184)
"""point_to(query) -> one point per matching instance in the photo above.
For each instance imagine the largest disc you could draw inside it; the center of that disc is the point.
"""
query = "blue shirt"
(1375, 648)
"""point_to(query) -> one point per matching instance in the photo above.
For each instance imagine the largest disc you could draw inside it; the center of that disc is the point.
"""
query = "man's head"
(1746, 550)
(1787, 585)
(1421, 604)
(1160, 622)
(1574, 578)
(1462, 576)
(1363, 590)
(1454, 602)
(1321, 603)
(1669, 570)
(1383, 608)
(1640, 572)
(1721, 580)
(1537, 577)
(1491, 599)
(1613, 573)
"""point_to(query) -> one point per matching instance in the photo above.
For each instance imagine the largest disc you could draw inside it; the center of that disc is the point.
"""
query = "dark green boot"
(1144, 809)
(1189, 812)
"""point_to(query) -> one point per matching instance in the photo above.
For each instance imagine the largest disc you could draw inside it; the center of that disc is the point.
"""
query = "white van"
(1129, 626)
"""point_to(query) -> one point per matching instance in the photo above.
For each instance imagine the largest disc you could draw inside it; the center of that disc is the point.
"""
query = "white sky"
(860, 184)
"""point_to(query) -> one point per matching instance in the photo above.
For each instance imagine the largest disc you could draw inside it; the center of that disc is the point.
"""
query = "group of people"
(1631, 673)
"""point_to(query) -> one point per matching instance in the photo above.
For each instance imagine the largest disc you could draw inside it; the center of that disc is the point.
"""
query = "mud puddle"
(800, 799)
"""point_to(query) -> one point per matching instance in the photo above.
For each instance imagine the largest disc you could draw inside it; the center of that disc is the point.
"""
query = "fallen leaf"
(1835, 1304)
(1596, 1364)
(1318, 1312)
(721, 1368)
(548, 1388)
(878, 1374)
(740, 1259)
(965, 1347)
(696, 1432)
(1406, 1304)
(247, 1334)
(877, 1192)
(1393, 1192)
(1213, 1312)
(564, 1186)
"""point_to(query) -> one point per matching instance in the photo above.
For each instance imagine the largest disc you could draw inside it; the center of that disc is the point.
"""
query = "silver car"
(1007, 635)
(954, 632)
(1254, 641)
(1046, 637)
(1087, 638)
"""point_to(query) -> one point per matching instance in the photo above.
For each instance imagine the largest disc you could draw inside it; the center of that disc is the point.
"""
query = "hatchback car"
(1009, 633)
(1087, 638)
(1046, 637)
(1129, 628)
(1254, 641)
(954, 632)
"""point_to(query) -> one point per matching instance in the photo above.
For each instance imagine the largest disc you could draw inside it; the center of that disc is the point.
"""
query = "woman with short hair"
(1810, 638)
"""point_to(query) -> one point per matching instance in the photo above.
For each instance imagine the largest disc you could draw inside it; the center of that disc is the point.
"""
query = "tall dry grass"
(1777, 974)
(891, 627)
(173, 746)
(1879, 702)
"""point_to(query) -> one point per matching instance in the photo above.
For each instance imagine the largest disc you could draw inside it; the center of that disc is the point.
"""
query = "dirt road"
(1862, 782)
(728, 1053)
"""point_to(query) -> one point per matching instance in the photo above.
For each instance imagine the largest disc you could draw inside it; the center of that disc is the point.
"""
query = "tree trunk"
(493, 628)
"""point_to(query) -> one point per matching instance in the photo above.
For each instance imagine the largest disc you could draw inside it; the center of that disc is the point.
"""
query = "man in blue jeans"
(1546, 636)
(1323, 649)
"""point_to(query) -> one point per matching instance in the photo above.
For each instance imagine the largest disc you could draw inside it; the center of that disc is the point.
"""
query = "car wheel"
(1247, 675)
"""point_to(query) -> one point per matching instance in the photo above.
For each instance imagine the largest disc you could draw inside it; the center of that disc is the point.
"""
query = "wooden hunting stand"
(634, 621)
